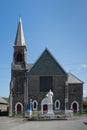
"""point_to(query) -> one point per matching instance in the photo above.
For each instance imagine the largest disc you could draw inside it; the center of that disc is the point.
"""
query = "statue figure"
(48, 102)
(49, 96)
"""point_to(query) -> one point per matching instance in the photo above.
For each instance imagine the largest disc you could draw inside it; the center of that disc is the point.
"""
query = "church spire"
(20, 40)
(19, 56)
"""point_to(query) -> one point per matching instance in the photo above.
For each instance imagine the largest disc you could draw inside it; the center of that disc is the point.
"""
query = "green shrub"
(85, 106)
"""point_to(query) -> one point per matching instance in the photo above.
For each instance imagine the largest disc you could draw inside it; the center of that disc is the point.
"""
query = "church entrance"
(75, 107)
(19, 109)
(45, 108)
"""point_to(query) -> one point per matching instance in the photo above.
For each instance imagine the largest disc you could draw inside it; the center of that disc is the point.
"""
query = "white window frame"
(57, 108)
(36, 105)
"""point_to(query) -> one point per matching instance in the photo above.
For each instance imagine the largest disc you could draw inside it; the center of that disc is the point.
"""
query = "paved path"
(6, 123)
(21, 124)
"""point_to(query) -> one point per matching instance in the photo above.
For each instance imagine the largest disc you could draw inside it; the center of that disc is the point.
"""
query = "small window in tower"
(19, 57)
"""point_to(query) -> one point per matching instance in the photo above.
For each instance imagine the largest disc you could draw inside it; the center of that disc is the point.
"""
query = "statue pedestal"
(50, 112)
(47, 106)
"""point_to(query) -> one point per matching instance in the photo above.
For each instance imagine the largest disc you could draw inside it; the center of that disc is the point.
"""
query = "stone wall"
(75, 94)
(17, 91)
(58, 89)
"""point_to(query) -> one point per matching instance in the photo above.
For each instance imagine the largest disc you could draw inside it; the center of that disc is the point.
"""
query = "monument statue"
(50, 96)
(47, 105)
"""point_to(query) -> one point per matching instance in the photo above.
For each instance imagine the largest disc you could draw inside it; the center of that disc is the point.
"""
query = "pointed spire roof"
(20, 40)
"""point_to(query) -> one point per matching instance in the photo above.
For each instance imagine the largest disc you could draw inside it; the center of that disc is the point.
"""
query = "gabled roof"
(72, 79)
(47, 65)
(29, 66)
(20, 40)
(35, 68)
(3, 101)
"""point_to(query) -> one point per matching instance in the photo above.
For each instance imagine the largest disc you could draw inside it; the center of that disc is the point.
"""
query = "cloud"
(85, 93)
(82, 66)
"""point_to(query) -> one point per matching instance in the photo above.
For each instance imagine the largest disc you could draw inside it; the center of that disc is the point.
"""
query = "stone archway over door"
(75, 106)
(44, 106)
(18, 108)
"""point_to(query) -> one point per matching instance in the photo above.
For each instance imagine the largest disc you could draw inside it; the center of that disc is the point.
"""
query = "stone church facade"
(31, 82)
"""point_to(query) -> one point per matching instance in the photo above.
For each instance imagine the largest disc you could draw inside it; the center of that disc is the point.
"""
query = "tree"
(85, 106)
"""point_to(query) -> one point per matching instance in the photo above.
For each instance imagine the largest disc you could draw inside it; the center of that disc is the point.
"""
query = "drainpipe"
(66, 95)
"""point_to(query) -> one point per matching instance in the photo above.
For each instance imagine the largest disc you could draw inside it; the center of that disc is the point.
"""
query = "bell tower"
(19, 56)
(18, 84)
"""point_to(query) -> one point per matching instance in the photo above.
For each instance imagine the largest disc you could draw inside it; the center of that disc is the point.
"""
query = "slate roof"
(47, 65)
(3, 101)
(72, 79)
(20, 40)
(29, 66)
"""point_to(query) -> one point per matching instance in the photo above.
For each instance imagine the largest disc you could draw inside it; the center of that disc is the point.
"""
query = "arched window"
(35, 105)
(57, 104)
(19, 57)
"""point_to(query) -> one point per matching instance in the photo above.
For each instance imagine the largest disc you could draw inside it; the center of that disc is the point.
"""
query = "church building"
(31, 82)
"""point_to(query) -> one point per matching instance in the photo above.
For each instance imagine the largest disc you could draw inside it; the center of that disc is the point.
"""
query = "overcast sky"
(59, 25)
